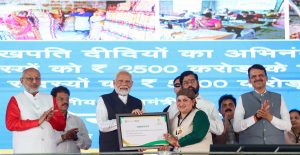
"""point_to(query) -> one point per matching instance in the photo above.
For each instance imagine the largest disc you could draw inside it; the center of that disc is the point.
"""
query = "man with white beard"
(33, 117)
(117, 102)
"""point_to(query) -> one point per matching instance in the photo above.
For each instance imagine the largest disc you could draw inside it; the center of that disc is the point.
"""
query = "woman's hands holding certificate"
(172, 140)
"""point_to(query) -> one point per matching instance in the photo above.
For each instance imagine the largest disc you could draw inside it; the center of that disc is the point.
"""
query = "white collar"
(260, 93)
(123, 98)
(30, 95)
(198, 97)
(68, 114)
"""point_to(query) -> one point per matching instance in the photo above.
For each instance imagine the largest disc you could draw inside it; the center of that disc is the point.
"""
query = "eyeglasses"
(31, 79)
(177, 85)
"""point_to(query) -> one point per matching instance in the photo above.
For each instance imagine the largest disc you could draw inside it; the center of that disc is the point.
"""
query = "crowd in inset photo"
(57, 24)
(294, 19)
(90, 20)
(224, 21)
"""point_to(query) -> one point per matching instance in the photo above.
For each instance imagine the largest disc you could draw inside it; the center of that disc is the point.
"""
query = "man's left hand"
(50, 114)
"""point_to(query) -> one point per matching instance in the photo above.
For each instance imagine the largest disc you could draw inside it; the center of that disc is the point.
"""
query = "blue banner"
(87, 68)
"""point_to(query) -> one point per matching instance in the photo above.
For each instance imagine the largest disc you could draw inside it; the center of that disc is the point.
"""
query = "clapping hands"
(70, 134)
(47, 115)
(264, 111)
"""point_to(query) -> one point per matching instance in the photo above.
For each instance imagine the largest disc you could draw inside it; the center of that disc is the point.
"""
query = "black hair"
(59, 89)
(245, 12)
(294, 110)
(178, 77)
(226, 97)
(207, 14)
(257, 66)
(187, 73)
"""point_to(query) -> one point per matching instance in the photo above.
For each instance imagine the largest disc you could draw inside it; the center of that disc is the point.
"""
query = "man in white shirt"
(177, 87)
(82, 18)
(75, 136)
(119, 101)
(261, 116)
(33, 117)
(189, 79)
(227, 104)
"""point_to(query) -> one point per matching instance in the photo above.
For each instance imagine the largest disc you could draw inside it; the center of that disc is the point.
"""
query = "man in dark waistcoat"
(117, 102)
(261, 116)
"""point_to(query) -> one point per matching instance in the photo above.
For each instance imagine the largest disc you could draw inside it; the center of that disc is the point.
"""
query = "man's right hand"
(46, 116)
(70, 134)
(264, 112)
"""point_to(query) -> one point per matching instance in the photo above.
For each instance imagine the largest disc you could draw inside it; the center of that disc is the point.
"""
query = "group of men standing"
(40, 123)
(259, 116)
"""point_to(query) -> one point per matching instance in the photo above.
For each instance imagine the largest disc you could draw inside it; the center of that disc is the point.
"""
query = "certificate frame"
(132, 136)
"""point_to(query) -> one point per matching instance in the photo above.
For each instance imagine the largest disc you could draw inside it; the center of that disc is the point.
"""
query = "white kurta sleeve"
(58, 138)
(284, 123)
(172, 110)
(84, 141)
(216, 124)
(239, 123)
(104, 124)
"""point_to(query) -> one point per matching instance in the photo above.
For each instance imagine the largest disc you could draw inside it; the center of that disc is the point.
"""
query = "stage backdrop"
(88, 68)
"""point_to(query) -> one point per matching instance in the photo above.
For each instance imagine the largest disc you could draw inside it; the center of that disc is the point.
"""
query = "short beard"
(32, 91)
(122, 92)
(195, 90)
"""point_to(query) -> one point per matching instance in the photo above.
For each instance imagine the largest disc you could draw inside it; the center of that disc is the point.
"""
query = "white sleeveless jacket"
(39, 139)
(186, 128)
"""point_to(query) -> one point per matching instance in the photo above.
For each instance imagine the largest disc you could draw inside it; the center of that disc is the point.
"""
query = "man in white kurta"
(75, 136)
(33, 117)
(82, 141)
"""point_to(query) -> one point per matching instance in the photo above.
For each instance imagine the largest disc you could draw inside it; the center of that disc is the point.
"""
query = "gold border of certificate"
(142, 131)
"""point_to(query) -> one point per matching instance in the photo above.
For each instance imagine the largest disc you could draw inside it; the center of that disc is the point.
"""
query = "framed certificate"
(142, 131)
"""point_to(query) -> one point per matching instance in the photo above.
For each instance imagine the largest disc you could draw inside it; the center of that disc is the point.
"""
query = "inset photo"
(294, 19)
(221, 19)
(78, 20)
